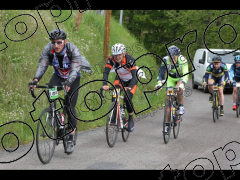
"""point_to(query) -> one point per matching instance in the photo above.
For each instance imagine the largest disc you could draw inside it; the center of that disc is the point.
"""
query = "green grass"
(19, 64)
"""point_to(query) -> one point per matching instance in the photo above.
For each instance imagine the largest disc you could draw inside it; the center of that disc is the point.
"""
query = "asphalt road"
(196, 146)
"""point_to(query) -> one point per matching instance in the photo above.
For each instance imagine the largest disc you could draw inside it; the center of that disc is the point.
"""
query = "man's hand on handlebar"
(33, 84)
(68, 84)
(105, 87)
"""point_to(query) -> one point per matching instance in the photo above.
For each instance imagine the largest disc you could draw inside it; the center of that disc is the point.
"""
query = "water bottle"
(122, 112)
(61, 119)
(174, 115)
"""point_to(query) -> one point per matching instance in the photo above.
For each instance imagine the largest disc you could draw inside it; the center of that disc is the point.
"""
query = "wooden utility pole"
(78, 19)
(106, 43)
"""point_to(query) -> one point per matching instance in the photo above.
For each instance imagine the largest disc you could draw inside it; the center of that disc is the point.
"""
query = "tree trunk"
(78, 19)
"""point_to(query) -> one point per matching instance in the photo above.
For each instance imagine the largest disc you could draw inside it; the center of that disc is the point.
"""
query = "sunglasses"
(237, 62)
(119, 55)
(57, 42)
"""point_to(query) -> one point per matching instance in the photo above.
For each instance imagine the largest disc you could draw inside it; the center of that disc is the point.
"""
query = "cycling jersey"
(125, 73)
(63, 71)
(181, 65)
(234, 71)
(72, 62)
(212, 72)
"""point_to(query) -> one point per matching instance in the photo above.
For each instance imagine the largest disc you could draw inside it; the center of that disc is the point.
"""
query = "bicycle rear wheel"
(111, 128)
(167, 110)
(176, 126)
(217, 106)
(46, 136)
(214, 107)
(125, 133)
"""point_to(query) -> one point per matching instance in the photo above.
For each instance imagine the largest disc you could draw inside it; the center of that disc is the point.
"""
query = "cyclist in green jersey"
(173, 79)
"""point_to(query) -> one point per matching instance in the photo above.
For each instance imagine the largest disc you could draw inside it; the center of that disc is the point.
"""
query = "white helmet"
(118, 49)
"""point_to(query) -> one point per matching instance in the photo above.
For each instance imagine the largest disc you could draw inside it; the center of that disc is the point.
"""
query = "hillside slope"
(20, 60)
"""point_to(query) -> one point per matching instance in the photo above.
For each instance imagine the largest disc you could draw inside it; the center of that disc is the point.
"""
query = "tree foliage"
(155, 28)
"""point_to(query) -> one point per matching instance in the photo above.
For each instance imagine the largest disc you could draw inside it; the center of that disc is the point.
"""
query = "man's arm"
(43, 62)
(162, 70)
(185, 70)
(231, 73)
(75, 63)
(107, 69)
(206, 75)
(226, 74)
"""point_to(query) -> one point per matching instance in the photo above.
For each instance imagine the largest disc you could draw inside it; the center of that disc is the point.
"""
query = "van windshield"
(228, 58)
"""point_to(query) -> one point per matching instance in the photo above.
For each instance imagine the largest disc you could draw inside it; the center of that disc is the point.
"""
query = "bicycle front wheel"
(46, 136)
(112, 126)
(167, 120)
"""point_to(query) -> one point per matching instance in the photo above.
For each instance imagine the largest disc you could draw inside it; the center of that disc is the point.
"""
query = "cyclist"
(235, 71)
(127, 74)
(173, 79)
(67, 62)
(216, 72)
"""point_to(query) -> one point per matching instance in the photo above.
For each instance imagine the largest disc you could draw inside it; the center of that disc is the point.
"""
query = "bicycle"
(120, 123)
(171, 106)
(215, 103)
(52, 126)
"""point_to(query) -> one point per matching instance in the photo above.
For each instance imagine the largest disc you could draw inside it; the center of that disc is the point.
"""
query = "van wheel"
(194, 86)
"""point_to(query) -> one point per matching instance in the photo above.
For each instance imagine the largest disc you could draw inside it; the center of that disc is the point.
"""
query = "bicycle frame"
(117, 95)
(215, 103)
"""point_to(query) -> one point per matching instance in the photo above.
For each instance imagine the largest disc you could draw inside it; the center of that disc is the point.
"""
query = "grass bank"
(20, 60)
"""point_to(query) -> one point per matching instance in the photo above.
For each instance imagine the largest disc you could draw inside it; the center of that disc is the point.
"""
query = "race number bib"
(53, 93)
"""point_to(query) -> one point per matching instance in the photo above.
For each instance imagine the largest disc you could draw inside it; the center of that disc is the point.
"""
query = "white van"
(203, 58)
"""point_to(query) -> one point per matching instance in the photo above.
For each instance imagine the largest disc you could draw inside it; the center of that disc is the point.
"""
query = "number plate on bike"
(53, 93)
(170, 91)
(237, 84)
(215, 87)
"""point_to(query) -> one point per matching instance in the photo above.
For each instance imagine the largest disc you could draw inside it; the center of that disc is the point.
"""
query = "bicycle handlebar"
(178, 88)
(110, 89)
(48, 86)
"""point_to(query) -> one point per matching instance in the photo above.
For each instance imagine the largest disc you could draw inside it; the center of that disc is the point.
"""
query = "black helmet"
(57, 34)
(216, 59)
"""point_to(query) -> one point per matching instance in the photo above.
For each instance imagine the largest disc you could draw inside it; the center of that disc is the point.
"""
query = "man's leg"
(234, 95)
(129, 108)
(180, 97)
(221, 100)
(210, 89)
(72, 120)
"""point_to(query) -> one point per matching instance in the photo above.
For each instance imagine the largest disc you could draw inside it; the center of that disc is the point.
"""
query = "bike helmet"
(57, 34)
(173, 50)
(118, 49)
(237, 58)
(216, 59)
